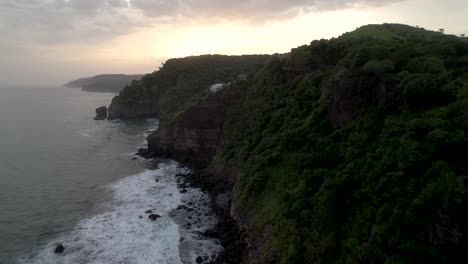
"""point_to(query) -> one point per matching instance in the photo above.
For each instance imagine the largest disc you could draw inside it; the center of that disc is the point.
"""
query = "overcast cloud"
(88, 20)
(54, 40)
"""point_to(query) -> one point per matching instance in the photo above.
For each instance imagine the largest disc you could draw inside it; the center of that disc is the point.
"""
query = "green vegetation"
(167, 90)
(350, 150)
(386, 187)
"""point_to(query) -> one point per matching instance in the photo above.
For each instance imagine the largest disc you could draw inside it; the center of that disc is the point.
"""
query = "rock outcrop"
(130, 110)
(101, 113)
(59, 249)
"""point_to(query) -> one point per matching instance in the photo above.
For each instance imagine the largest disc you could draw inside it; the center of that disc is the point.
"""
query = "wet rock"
(199, 259)
(181, 207)
(153, 217)
(189, 209)
(211, 234)
(101, 113)
(190, 203)
(59, 249)
(222, 201)
(144, 153)
(134, 158)
(148, 211)
(183, 191)
(181, 239)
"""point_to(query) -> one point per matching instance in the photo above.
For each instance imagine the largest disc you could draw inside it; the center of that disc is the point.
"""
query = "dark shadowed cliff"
(348, 150)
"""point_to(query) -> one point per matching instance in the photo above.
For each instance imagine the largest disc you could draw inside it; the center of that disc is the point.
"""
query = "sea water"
(68, 179)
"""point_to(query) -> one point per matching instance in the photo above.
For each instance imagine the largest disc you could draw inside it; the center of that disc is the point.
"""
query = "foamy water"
(122, 233)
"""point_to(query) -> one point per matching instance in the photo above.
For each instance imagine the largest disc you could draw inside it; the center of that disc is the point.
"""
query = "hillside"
(165, 91)
(106, 83)
(348, 150)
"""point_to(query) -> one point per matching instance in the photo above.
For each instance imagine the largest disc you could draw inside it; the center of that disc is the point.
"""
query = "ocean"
(68, 179)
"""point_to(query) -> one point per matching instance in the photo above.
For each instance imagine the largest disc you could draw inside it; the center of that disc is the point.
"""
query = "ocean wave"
(123, 233)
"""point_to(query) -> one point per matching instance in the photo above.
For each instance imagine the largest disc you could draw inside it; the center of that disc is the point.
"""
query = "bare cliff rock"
(124, 110)
(351, 95)
(194, 136)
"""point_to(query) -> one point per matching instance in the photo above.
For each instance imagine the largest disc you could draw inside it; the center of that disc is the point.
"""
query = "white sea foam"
(84, 134)
(124, 234)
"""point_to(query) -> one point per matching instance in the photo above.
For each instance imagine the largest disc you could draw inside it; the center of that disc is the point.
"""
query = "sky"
(45, 42)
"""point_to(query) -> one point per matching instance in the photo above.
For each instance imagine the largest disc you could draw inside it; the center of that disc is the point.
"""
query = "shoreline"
(227, 229)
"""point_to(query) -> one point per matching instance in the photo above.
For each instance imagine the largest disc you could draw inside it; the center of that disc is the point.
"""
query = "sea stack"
(101, 113)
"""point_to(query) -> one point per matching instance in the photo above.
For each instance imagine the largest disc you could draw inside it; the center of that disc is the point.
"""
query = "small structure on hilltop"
(441, 30)
(216, 87)
(462, 35)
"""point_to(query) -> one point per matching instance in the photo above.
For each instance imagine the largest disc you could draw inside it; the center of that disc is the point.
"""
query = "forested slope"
(348, 150)
(354, 150)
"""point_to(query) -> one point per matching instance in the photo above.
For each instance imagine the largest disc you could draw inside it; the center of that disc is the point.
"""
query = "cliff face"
(130, 110)
(352, 95)
(194, 136)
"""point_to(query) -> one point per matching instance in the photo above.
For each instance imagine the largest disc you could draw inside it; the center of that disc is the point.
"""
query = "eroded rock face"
(122, 110)
(351, 95)
(101, 113)
(195, 135)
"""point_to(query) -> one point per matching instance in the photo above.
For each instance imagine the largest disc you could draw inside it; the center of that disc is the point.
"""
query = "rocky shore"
(227, 229)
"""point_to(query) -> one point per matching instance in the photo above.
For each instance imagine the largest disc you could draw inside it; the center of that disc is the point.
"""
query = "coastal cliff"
(349, 150)
(195, 135)
(166, 91)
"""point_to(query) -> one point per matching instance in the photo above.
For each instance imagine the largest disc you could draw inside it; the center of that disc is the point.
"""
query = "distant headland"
(105, 83)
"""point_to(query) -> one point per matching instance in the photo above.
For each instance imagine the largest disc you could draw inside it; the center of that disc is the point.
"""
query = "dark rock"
(189, 209)
(148, 211)
(59, 249)
(190, 203)
(101, 113)
(199, 259)
(211, 234)
(181, 239)
(153, 217)
(134, 158)
(144, 153)
(122, 109)
(141, 217)
(183, 191)
(222, 201)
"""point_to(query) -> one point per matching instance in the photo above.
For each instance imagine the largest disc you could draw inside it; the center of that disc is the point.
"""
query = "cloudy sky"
(52, 41)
